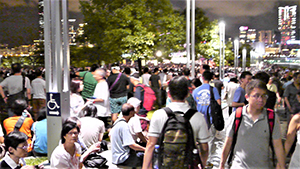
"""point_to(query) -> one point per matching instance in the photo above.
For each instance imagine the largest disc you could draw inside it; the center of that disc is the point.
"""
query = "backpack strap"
(212, 96)
(119, 121)
(168, 111)
(271, 122)
(189, 114)
(235, 126)
(19, 123)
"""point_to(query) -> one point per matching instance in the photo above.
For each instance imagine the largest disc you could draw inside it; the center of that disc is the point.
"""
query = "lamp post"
(236, 54)
(244, 52)
(188, 28)
(222, 48)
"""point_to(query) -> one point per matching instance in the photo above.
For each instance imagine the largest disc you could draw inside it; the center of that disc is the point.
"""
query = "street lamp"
(222, 47)
(158, 53)
(236, 54)
(244, 52)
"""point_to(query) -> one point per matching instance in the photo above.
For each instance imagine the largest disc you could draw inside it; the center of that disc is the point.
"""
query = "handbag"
(95, 160)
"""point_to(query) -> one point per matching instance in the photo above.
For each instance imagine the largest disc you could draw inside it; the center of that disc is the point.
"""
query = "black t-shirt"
(154, 81)
(218, 85)
(271, 100)
(120, 88)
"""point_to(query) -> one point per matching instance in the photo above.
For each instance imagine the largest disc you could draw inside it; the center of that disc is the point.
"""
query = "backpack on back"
(149, 97)
(236, 126)
(177, 148)
(215, 112)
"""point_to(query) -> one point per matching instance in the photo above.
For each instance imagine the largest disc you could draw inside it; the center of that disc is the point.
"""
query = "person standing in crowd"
(230, 89)
(203, 68)
(251, 149)
(202, 97)
(146, 76)
(218, 83)
(76, 101)
(123, 146)
(290, 95)
(292, 133)
(239, 99)
(155, 85)
(178, 90)
(18, 107)
(39, 129)
(39, 93)
(14, 85)
(118, 85)
(89, 82)
(271, 101)
(101, 94)
(16, 146)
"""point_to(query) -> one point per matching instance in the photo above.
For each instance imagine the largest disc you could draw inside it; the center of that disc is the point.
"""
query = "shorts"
(116, 104)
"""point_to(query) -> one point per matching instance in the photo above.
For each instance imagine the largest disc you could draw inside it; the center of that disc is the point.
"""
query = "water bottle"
(155, 161)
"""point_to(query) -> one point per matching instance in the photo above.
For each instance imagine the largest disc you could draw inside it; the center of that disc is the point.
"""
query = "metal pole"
(193, 38)
(66, 62)
(188, 28)
(221, 36)
(244, 58)
(236, 54)
(223, 53)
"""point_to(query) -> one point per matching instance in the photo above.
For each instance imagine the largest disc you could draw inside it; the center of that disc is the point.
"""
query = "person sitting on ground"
(17, 148)
(39, 129)
(18, 108)
(92, 129)
(123, 146)
(68, 154)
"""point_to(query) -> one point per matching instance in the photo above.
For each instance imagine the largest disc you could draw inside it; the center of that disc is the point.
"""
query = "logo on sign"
(53, 104)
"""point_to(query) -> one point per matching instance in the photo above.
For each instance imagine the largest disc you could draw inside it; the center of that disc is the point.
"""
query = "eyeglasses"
(257, 96)
(24, 147)
(71, 133)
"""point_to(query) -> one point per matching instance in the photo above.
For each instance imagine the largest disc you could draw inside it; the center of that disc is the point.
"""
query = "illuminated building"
(247, 35)
(287, 23)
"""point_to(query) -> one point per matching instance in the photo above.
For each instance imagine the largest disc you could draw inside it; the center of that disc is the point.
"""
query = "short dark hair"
(127, 70)
(206, 67)
(263, 76)
(256, 83)
(14, 138)
(90, 110)
(207, 75)
(74, 86)
(66, 127)
(186, 72)
(155, 70)
(126, 109)
(217, 75)
(38, 72)
(18, 106)
(295, 75)
(94, 67)
(42, 114)
(244, 74)
(146, 70)
(16, 67)
(178, 87)
(196, 82)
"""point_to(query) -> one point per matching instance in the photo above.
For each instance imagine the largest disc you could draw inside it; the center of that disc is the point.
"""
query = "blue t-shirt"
(40, 131)
(239, 96)
(201, 96)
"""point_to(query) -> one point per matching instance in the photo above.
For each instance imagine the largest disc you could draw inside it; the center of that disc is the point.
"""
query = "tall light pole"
(222, 48)
(244, 52)
(236, 55)
(188, 28)
(193, 39)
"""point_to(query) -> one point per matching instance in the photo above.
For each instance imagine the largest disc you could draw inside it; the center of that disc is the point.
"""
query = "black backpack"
(177, 148)
(215, 112)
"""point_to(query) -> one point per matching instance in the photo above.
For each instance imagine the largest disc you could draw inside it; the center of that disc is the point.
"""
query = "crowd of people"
(110, 103)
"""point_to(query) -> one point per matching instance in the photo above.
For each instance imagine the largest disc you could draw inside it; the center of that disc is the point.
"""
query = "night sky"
(19, 18)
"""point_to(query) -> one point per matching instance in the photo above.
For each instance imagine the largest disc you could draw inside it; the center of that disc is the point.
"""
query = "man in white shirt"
(39, 93)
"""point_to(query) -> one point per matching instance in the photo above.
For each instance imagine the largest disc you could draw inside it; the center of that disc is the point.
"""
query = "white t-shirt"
(102, 92)
(38, 88)
(134, 125)
(197, 121)
(76, 103)
(14, 84)
(145, 78)
(60, 158)
(90, 130)
(230, 88)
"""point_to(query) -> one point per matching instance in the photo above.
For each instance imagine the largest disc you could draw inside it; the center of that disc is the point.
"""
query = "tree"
(133, 27)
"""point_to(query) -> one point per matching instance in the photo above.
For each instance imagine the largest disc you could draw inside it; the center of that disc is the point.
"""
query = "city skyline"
(19, 19)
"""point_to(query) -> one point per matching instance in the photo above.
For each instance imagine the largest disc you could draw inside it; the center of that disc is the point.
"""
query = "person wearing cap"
(135, 124)
(118, 84)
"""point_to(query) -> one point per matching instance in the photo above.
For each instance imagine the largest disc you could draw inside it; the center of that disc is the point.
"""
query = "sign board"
(53, 104)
